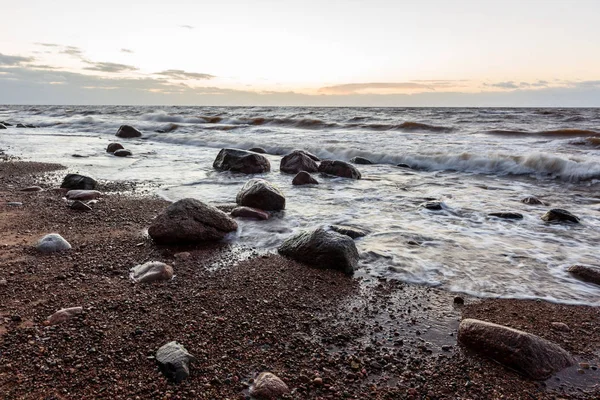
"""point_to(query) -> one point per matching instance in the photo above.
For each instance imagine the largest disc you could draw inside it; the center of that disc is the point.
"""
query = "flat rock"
(297, 161)
(258, 150)
(83, 194)
(432, 205)
(532, 200)
(243, 161)
(521, 351)
(560, 215)
(402, 165)
(174, 361)
(261, 194)
(268, 386)
(63, 315)
(304, 178)
(128, 131)
(76, 181)
(51, 243)
(14, 204)
(190, 221)
(6, 123)
(151, 271)
(112, 147)
(31, 189)
(339, 168)
(349, 231)
(322, 249)
(585, 273)
(21, 126)
(506, 215)
(360, 161)
(249, 212)
(122, 153)
(79, 206)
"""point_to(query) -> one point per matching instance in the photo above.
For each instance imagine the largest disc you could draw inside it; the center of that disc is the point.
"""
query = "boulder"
(243, 161)
(297, 161)
(258, 193)
(322, 249)
(432, 205)
(268, 386)
(506, 215)
(339, 168)
(51, 243)
(311, 155)
(402, 165)
(75, 181)
(174, 361)
(533, 201)
(249, 212)
(112, 147)
(518, 350)
(360, 161)
(122, 153)
(258, 150)
(63, 315)
(304, 178)
(2, 126)
(79, 206)
(150, 272)
(128, 131)
(190, 221)
(560, 215)
(585, 273)
(83, 194)
(31, 189)
(349, 231)
(21, 126)
(5, 123)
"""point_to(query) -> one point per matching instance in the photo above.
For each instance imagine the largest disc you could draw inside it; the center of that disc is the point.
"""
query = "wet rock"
(560, 215)
(14, 204)
(83, 194)
(76, 181)
(304, 178)
(339, 168)
(150, 272)
(322, 249)
(79, 206)
(128, 131)
(122, 153)
(51, 243)
(311, 155)
(246, 162)
(518, 350)
(402, 165)
(63, 315)
(268, 386)
(360, 161)
(297, 161)
(79, 156)
(506, 215)
(258, 150)
(249, 212)
(112, 147)
(459, 300)
(349, 231)
(532, 200)
(2, 126)
(585, 273)
(432, 205)
(6, 123)
(258, 193)
(189, 221)
(21, 126)
(174, 361)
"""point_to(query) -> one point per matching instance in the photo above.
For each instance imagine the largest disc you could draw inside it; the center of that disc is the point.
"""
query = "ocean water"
(476, 161)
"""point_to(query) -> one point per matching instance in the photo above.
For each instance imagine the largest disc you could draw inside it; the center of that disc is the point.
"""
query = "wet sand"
(240, 312)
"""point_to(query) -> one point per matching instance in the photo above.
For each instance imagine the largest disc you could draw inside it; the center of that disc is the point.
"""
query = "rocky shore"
(240, 313)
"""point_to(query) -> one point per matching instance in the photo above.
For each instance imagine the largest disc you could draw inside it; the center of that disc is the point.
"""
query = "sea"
(476, 161)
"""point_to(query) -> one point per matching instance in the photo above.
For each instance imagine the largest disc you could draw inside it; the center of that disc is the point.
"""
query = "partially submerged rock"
(2, 126)
(350, 231)
(506, 215)
(532, 200)
(63, 315)
(150, 272)
(432, 205)
(304, 178)
(268, 386)
(51, 243)
(190, 221)
(258, 150)
(249, 212)
(297, 161)
(339, 168)
(560, 215)
(128, 131)
(529, 354)
(82, 194)
(174, 361)
(122, 153)
(243, 161)
(360, 161)
(76, 181)
(261, 194)
(585, 273)
(322, 249)
(112, 147)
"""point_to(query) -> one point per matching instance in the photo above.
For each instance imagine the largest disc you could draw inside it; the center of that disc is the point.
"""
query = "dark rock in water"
(304, 178)
(521, 351)
(268, 386)
(242, 161)
(258, 193)
(339, 168)
(433, 205)
(249, 212)
(31, 189)
(5, 123)
(79, 156)
(80, 206)
(21, 126)
(190, 221)
(297, 161)
(112, 147)
(585, 273)
(51, 243)
(76, 181)
(402, 165)
(151, 271)
(128, 131)
(306, 153)
(533, 201)
(349, 231)
(360, 160)
(322, 249)
(122, 153)
(506, 215)
(30, 126)
(258, 150)
(2, 126)
(168, 128)
(174, 361)
(560, 215)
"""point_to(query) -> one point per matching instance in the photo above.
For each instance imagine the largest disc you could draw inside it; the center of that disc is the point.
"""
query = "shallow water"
(474, 160)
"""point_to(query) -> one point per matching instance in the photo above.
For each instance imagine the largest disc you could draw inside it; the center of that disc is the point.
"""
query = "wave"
(555, 132)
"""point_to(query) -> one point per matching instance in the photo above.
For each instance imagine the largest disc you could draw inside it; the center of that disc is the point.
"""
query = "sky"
(310, 52)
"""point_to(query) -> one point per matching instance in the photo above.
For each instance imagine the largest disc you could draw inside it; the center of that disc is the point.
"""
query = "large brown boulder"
(339, 168)
(243, 161)
(585, 273)
(304, 178)
(517, 350)
(190, 221)
(261, 194)
(79, 182)
(297, 161)
(128, 131)
(112, 147)
(322, 249)
(560, 215)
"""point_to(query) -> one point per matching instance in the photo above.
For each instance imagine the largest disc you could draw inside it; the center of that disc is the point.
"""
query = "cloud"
(109, 67)
(72, 51)
(503, 85)
(353, 88)
(14, 60)
(183, 75)
(48, 44)
(511, 85)
(186, 26)
(127, 51)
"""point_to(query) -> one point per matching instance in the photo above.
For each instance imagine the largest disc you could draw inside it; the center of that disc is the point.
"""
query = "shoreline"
(239, 312)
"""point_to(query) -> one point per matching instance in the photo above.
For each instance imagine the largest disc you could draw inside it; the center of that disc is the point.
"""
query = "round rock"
(174, 361)
(533, 201)
(150, 272)
(76, 181)
(128, 131)
(304, 178)
(112, 147)
(122, 153)
(51, 243)
(297, 161)
(261, 194)
(268, 386)
(585, 273)
(339, 168)
(350, 231)
(258, 150)
(243, 161)
(360, 161)
(560, 215)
